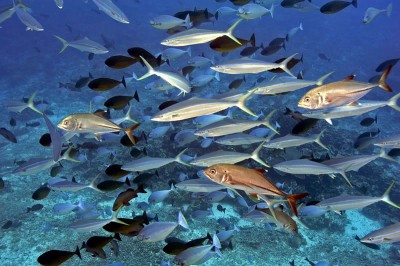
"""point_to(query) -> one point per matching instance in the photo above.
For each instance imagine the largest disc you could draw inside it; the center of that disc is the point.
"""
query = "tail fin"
(64, 43)
(343, 173)
(382, 81)
(252, 40)
(266, 122)
(384, 155)
(354, 3)
(189, 50)
(150, 70)
(78, 252)
(182, 220)
(123, 81)
(292, 198)
(389, 10)
(115, 218)
(271, 11)
(318, 140)
(128, 132)
(321, 80)
(385, 196)
(301, 26)
(393, 102)
(283, 65)
(31, 104)
(187, 22)
(179, 159)
(255, 157)
(229, 32)
(241, 103)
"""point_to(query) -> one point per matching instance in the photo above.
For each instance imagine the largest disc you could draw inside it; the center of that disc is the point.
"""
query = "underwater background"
(340, 42)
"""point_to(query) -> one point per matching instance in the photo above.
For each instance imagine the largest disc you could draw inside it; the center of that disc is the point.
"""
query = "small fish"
(8, 135)
(105, 84)
(165, 22)
(371, 13)
(199, 185)
(83, 81)
(41, 193)
(83, 45)
(7, 225)
(175, 246)
(89, 225)
(333, 7)
(2, 184)
(220, 208)
(195, 255)
(173, 53)
(293, 31)
(13, 122)
(120, 102)
(120, 61)
(235, 84)
(282, 219)
(124, 197)
(252, 11)
(108, 7)
(160, 196)
(57, 257)
(366, 122)
(34, 208)
(115, 171)
(111, 185)
(72, 186)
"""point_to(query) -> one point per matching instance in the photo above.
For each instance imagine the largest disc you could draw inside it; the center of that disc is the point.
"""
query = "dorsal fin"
(349, 78)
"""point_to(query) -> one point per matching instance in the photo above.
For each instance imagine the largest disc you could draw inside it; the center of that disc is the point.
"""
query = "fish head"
(367, 18)
(70, 123)
(311, 100)
(168, 41)
(291, 227)
(164, 117)
(216, 173)
(372, 239)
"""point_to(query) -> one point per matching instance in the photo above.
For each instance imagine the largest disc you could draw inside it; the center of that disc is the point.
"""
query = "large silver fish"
(294, 141)
(252, 11)
(108, 7)
(253, 66)
(89, 225)
(198, 36)
(83, 45)
(340, 93)
(371, 13)
(30, 22)
(388, 234)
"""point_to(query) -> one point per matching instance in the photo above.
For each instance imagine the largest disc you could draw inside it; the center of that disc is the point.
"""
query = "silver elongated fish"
(238, 139)
(94, 124)
(392, 142)
(198, 36)
(307, 167)
(204, 120)
(371, 13)
(252, 66)
(72, 186)
(148, 163)
(354, 163)
(165, 22)
(252, 11)
(6, 13)
(348, 202)
(83, 45)
(230, 126)
(30, 22)
(340, 93)
(294, 141)
(59, 3)
(195, 107)
(89, 225)
(199, 185)
(158, 231)
(18, 107)
(388, 234)
(108, 7)
(175, 79)
(286, 84)
(230, 157)
(358, 108)
(195, 255)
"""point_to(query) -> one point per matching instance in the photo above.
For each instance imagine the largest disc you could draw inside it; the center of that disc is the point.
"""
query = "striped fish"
(388, 234)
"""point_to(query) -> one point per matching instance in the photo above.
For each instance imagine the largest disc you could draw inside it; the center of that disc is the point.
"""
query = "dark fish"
(196, 17)
(111, 185)
(235, 84)
(248, 51)
(226, 44)
(220, 208)
(83, 81)
(124, 197)
(7, 225)
(369, 245)
(366, 122)
(57, 257)
(277, 41)
(13, 122)
(166, 104)
(33, 124)
(34, 208)
(296, 115)
(290, 3)
(394, 152)
(101, 241)
(105, 84)
(176, 29)
(269, 50)
(125, 141)
(304, 126)
(290, 64)
(133, 227)
(90, 56)
(240, 2)
(96, 252)
(324, 57)
(45, 140)
(187, 70)
(175, 246)
(119, 102)
(335, 6)
(2, 185)
(371, 134)
(143, 178)
(120, 61)
(384, 65)
(115, 171)
(8, 135)
(55, 170)
(41, 192)
(363, 142)
(136, 152)
(137, 52)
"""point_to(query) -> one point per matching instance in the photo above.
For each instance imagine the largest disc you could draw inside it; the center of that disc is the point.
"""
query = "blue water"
(30, 62)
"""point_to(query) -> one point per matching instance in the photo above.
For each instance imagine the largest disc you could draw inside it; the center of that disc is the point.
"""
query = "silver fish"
(71, 186)
(348, 202)
(252, 11)
(89, 225)
(391, 142)
(388, 234)
(108, 7)
(238, 139)
(165, 22)
(248, 65)
(371, 13)
(83, 45)
(159, 196)
(199, 185)
(294, 141)
(293, 31)
(194, 255)
(173, 53)
(30, 22)
(6, 13)
(18, 107)
(198, 36)
(202, 80)
(148, 163)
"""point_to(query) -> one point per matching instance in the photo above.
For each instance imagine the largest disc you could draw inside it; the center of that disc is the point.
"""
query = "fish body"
(391, 142)
(293, 31)
(148, 163)
(340, 93)
(30, 22)
(202, 185)
(57, 257)
(283, 219)
(165, 22)
(238, 139)
(198, 36)
(120, 61)
(371, 13)
(108, 7)
(202, 80)
(192, 255)
(83, 45)
(59, 3)
(124, 197)
(252, 11)
(251, 66)
(333, 7)
(173, 53)
(293, 141)
(8, 135)
(388, 234)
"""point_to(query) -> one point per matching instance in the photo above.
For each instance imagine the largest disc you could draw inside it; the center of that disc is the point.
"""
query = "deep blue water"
(30, 62)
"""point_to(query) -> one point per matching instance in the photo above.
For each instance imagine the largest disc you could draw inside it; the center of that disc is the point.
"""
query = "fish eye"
(307, 99)
(66, 122)
(370, 239)
(213, 171)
